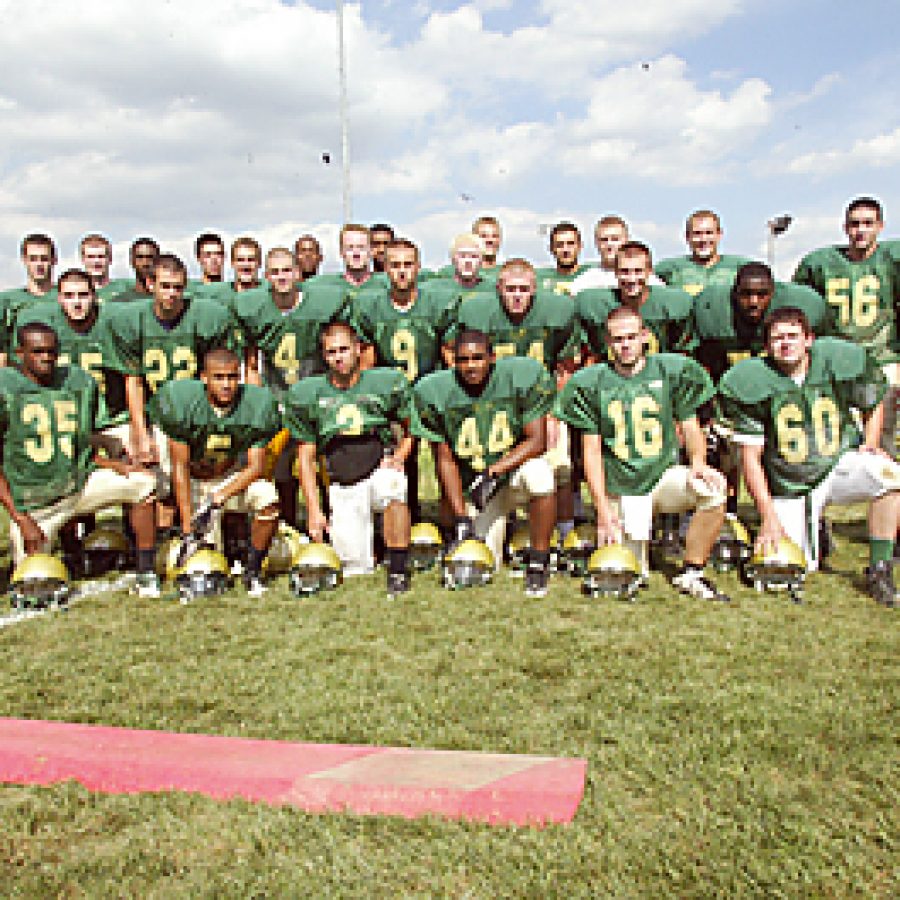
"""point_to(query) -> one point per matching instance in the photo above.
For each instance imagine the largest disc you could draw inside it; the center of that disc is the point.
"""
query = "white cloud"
(879, 151)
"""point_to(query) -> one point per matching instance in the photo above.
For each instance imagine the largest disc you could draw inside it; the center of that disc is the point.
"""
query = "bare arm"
(180, 455)
(695, 444)
(873, 425)
(32, 536)
(252, 374)
(316, 523)
(142, 448)
(449, 478)
(253, 471)
(533, 444)
(770, 529)
(405, 446)
(609, 528)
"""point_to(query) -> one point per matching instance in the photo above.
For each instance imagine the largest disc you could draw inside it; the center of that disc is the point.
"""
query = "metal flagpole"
(345, 136)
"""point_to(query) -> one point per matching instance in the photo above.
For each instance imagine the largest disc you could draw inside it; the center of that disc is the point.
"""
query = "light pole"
(342, 103)
(778, 225)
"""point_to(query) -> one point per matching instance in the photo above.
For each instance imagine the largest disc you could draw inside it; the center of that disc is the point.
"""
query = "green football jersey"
(11, 303)
(289, 341)
(183, 412)
(804, 428)
(547, 333)
(45, 434)
(481, 429)
(316, 412)
(409, 340)
(862, 294)
(86, 349)
(457, 293)
(114, 289)
(723, 336)
(635, 416)
(691, 277)
(139, 344)
(550, 280)
(666, 313)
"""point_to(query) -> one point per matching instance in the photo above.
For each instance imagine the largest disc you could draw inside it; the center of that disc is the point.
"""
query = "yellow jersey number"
(858, 308)
(535, 351)
(350, 420)
(641, 423)
(91, 362)
(790, 430)
(42, 446)
(218, 448)
(403, 350)
(157, 370)
(285, 358)
(468, 441)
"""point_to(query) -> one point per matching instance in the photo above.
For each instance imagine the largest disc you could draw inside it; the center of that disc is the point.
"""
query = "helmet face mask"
(283, 551)
(732, 548)
(104, 550)
(577, 550)
(425, 546)
(205, 574)
(40, 581)
(317, 568)
(782, 569)
(471, 564)
(612, 571)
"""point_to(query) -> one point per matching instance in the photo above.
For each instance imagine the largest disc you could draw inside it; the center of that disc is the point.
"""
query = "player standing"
(96, 258)
(565, 246)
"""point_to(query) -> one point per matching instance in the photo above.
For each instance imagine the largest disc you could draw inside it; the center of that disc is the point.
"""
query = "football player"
(610, 233)
(629, 412)
(565, 246)
(665, 311)
(50, 472)
(791, 413)
(488, 229)
(380, 236)
(217, 431)
(350, 416)
(462, 277)
(487, 423)
(308, 252)
(160, 339)
(38, 254)
(246, 260)
(142, 256)
(96, 258)
(861, 282)
(704, 265)
(209, 251)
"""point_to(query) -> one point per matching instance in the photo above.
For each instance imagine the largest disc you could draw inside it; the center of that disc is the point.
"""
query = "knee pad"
(261, 494)
(537, 477)
(388, 486)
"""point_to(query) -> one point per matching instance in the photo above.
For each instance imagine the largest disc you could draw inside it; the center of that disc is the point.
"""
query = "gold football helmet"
(579, 545)
(425, 545)
(205, 574)
(105, 549)
(39, 581)
(612, 571)
(519, 544)
(782, 569)
(283, 551)
(733, 546)
(316, 568)
(471, 564)
(167, 558)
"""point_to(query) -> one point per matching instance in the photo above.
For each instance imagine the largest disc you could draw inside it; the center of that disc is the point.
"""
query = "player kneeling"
(210, 424)
(349, 415)
(49, 415)
(627, 411)
(486, 420)
(792, 414)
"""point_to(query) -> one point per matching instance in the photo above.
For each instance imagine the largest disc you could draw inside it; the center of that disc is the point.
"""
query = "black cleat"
(880, 582)
(827, 544)
(398, 583)
(536, 579)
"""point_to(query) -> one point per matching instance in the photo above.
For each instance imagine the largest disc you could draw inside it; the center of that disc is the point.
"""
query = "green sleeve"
(298, 417)
(735, 413)
(427, 421)
(269, 421)
(693, 387)
(578, 402)
(121, 340)
(168, 410)
(803, 274)
(401, 398)
(539, 396)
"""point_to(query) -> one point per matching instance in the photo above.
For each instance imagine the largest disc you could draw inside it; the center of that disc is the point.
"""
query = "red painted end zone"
(495, 788)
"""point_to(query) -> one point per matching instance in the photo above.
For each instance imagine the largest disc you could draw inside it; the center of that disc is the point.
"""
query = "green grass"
(739, 750)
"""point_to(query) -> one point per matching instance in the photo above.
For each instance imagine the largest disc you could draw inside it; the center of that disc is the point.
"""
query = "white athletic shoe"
(694, 583)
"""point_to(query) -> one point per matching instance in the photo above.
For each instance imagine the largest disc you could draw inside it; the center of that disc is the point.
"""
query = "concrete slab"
(489, 787)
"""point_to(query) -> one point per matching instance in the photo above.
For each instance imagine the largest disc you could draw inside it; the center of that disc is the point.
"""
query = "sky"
(172, 118)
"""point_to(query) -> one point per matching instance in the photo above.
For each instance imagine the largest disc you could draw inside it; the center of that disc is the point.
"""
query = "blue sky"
(170, 118)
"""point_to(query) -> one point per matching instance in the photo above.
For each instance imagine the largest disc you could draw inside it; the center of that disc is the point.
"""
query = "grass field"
(734, 750)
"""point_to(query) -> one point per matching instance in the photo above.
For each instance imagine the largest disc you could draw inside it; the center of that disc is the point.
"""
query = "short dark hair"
(171, 262)
(560, 227)
(786, 314)
(338, 326)
(864, 203)
(30, 328)
(472, 336)
(221, 355)
(633, 248)
(208, 237)
(622, 312)
(754, 270)
(38, 238)
(382, 226)
(402, 244)
(71, 275)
